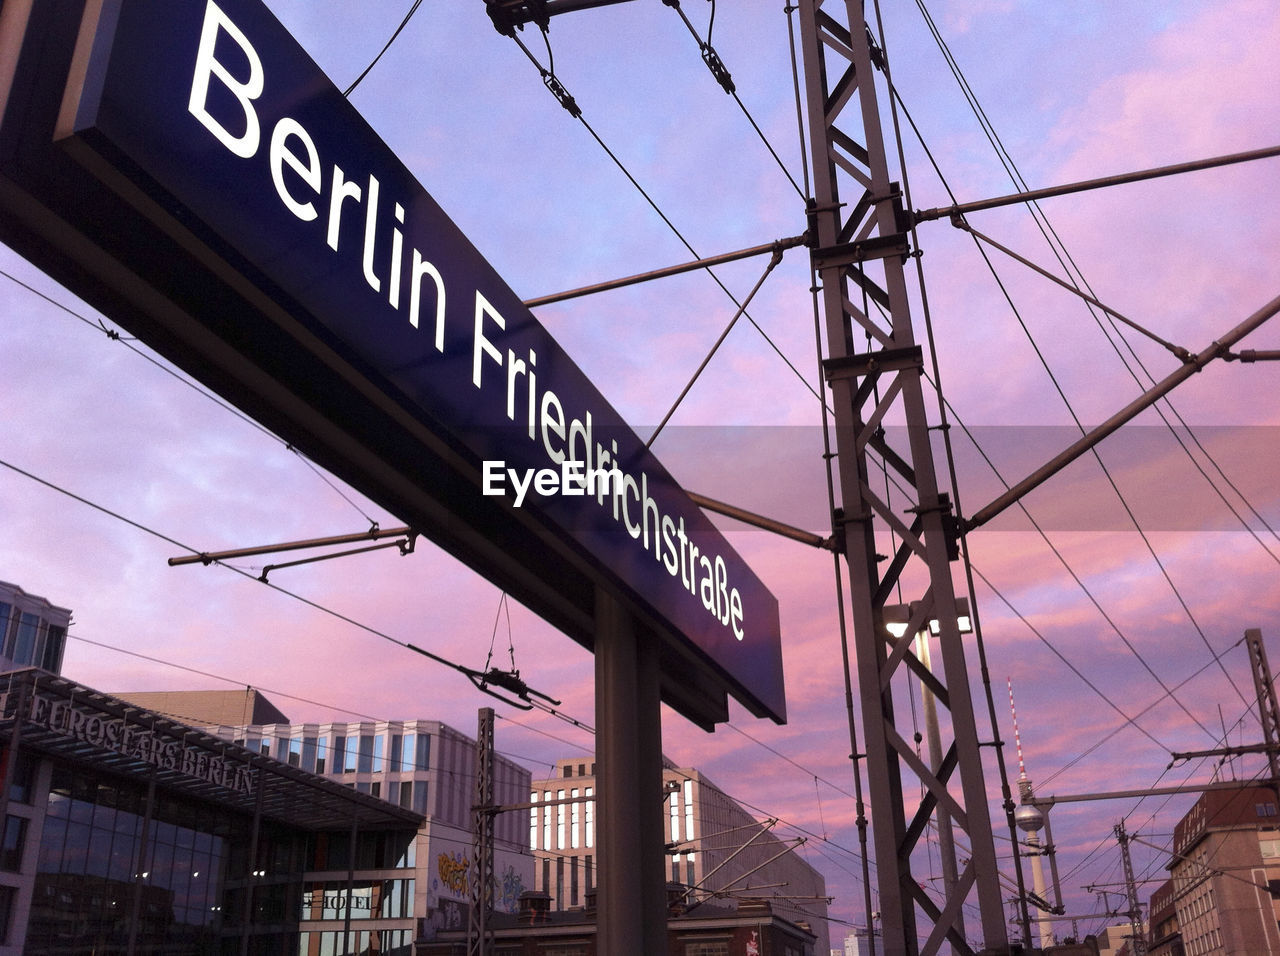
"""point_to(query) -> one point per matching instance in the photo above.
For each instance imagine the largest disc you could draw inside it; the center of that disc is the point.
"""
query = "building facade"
(424, 766)
(128, 832)
(716, 849)
(33, 632)
(1164, 938)
(751, 929)
(1225, 874)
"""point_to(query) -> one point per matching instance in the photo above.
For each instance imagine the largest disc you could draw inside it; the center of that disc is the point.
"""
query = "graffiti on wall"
(452, 868)
(509, 888)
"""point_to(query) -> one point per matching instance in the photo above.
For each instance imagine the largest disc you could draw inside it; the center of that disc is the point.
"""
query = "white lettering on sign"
(139, 742)
(586, 468)
(298, 167)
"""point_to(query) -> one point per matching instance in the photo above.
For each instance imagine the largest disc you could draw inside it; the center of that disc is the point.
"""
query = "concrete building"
(706, 832)
(422, 765)
(1226, 873)
(1164, 938)
(33, 632)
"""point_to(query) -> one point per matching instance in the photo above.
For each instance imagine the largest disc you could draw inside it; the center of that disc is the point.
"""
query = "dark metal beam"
(940, 212)
(777, 246)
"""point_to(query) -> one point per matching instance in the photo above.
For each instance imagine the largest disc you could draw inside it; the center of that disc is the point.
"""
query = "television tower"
(1031, 820)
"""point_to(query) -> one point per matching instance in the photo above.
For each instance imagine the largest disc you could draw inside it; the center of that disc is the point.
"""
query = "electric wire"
(549, 79)
(949, 456)
(330, 612)
(277, 693)
(1159, 410)
(472, 675)
(722, 76)
(1075, 670)
(387, 46)
(788, 10)
(1038, 215)
(1151, 706)
(1120, 496)
(127, 342)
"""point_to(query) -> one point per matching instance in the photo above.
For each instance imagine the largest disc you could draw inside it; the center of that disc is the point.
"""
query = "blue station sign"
(338, 301)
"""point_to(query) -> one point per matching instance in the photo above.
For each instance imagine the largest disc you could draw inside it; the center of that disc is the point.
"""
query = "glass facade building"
(128, 833)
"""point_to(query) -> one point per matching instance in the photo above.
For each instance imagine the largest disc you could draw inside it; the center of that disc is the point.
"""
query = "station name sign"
(207, 118)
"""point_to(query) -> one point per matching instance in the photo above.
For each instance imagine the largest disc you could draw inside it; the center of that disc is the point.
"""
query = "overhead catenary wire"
(336, 614)
(387, 46)
(570, 105)
(115, 336)
(1040, 355)
(725, 79)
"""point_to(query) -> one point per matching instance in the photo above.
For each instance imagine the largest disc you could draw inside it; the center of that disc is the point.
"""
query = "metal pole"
(1268, 709)
(1131, 890)
(1217, 350)
(482, 815)
(777, 246)
(933, 736)
(632, 885)
(144, 848)
(1050, 191)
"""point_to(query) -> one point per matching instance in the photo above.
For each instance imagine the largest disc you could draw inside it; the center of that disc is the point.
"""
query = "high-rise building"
(33, 632)
(716, 849)
(1225, 873)
(423, 765)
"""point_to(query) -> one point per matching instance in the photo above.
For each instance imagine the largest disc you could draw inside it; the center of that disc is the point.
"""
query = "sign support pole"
(632, 917)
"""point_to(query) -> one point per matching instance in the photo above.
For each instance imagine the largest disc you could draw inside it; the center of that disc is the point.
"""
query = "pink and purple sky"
(1075, 91)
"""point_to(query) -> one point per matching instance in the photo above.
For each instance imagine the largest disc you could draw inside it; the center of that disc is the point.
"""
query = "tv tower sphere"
(1029, 818)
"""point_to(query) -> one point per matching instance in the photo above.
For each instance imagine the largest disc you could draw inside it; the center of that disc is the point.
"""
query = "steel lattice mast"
(479, 930)
(859, 228)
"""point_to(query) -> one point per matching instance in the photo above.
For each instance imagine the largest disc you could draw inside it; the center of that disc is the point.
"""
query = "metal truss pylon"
(860, 250)
(479, 930)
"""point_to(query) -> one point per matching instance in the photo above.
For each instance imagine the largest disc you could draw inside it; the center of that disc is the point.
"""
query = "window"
(7, 893)
(717, 948)
(6, 614)
(15, 837)
(295, 752)
(50, 657)
(575, 824)
(533, 821)
(20, 782)
(366, 753)
(24, 643)
(406, 793)
(415, 754)
(560, 820)
(1269, 848)
(1265, 809)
